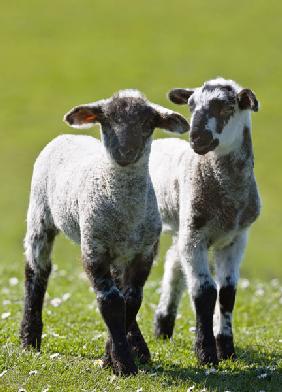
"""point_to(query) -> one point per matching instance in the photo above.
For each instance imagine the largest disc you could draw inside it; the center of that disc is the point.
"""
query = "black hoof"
(125, 367)
(122, 361)
(164, 326)
(30, 334)
(225, 347)
(139, 347)
(107, 358)
(206, 353)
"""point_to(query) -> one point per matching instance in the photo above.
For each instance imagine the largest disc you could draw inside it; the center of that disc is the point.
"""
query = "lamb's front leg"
(134, 279)
(112, 307)
(194, 259)
(227, 274)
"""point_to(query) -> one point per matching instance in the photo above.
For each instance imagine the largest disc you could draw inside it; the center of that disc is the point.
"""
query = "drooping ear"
(171, 121)
(180, 96)
(247, 100)
(84, 116)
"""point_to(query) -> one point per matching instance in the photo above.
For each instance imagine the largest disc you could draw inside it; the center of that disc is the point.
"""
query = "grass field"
(55, 55)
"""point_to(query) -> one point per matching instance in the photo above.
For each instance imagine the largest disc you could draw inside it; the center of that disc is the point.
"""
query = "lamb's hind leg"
(194, 259)
(227, 274)
(38, 246)
(172, 288)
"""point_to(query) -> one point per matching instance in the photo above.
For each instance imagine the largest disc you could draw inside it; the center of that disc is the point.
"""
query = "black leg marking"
(225, 347)
(112, 307)
(224, 341)
(107, 358)
(137, 343)
(35, 287)
(133, 281)
(205, 346)
(164, 325)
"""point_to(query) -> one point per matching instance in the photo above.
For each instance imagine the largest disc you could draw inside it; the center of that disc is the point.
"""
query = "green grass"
(76, 332)
(55, 55)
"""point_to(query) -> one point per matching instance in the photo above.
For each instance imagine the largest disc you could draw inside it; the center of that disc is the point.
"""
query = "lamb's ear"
(247, 100)
(180, 96)
(171, 121)
(84, 116)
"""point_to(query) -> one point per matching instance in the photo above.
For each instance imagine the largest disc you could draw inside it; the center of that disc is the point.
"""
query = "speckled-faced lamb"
(208, 198)
(99, 195)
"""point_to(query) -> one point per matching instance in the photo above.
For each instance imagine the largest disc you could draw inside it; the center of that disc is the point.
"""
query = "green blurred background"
(57, 54)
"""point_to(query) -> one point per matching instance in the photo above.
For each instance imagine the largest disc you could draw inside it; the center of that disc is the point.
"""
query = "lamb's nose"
(201, 137)
(127, 152)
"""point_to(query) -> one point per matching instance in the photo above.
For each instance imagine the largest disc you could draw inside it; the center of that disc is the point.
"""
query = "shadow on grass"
(253, 371)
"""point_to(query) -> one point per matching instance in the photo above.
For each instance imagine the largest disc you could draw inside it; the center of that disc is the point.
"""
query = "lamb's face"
(127, 121)
(127, 127)
(220, 110)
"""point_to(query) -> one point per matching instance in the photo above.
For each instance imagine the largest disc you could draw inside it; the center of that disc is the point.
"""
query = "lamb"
(99, 195)
(208, 198)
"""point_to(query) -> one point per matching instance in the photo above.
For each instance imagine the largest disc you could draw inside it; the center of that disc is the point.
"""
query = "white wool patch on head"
(203, 98)
(224, 82)
(129, 93)
(203, 95)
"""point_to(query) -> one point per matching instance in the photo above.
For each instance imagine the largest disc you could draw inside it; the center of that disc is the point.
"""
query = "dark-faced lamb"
(208, 198)
(99, 195)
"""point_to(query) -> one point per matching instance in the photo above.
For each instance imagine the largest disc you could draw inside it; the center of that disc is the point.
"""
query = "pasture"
(55, 55)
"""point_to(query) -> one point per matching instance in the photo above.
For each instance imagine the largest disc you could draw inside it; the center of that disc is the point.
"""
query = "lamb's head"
(127, 121)
(220, 111)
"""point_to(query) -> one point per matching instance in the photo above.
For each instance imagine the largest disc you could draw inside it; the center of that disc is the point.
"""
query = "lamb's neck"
(234, 168)
(132, 179)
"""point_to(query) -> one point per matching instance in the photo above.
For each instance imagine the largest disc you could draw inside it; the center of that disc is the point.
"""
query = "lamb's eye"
(191, 105)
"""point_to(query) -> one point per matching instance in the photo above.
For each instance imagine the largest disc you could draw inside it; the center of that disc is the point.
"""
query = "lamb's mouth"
(204, 149)
(126, 162)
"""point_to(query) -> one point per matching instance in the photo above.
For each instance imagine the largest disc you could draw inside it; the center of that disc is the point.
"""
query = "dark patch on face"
(202, 140)
(222, 111)
(128, 123)
(205, 346)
